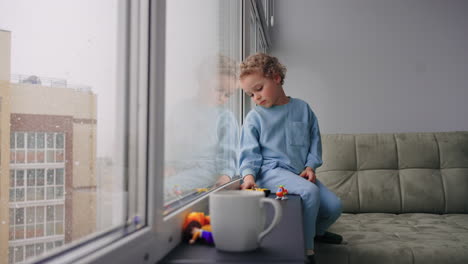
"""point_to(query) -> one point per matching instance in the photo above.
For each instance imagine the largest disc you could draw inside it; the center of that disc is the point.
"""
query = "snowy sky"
(69, 39)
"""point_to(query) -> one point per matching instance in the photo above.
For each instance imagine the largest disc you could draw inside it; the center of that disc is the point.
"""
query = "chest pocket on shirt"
(297, 134)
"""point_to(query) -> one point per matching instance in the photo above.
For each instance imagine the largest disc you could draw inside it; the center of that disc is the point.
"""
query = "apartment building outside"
(47, 162)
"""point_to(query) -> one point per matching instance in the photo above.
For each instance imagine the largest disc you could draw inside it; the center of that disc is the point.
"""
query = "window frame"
(142, 142)
(136, 238)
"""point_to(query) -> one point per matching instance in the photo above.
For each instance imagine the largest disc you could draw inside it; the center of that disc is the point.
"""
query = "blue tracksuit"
(277, 144)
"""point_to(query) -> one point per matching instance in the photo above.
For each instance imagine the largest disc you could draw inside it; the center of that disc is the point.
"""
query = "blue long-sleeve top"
(287, 136)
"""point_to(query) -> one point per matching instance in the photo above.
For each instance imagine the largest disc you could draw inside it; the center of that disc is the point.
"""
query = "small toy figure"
(281, 193)
(196, 226)
(176, 190)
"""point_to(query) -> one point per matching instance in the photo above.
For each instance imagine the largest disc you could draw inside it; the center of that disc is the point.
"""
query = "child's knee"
(310, 192)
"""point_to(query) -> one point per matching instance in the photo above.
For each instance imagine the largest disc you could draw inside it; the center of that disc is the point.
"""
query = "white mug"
(238, 219)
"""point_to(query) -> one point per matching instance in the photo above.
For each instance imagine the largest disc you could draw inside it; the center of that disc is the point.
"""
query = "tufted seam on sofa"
(357, 174)
(399, 175)
(441, 177)
(412, 255)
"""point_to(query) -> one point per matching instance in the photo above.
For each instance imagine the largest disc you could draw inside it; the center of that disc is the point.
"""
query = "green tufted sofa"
(404, 196)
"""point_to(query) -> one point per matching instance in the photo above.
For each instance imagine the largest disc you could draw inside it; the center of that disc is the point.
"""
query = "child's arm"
(250, 157)
(314, 158)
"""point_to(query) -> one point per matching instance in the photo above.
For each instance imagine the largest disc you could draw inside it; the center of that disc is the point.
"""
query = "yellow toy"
(265, 191)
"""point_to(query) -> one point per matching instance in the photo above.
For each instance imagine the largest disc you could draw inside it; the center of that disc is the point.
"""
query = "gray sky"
(70, 39)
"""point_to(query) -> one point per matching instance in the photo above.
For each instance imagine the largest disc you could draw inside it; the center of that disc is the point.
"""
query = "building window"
(37, 147)
(37, 188)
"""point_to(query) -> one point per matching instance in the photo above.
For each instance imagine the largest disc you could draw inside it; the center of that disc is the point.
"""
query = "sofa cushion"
(397, 173)
(393, 238)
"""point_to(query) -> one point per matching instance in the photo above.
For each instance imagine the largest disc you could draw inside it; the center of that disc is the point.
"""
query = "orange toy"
(198, 217)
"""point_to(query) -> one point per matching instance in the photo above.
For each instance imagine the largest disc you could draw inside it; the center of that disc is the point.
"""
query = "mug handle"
(277, 217)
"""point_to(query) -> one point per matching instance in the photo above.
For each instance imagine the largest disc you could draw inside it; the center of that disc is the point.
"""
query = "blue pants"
(321, 207)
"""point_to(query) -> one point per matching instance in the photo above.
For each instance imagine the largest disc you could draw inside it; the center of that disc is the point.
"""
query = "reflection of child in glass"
(280, 145)
(202, 132)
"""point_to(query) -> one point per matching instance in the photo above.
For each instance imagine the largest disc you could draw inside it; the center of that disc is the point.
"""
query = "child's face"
(264, 91)
(220, 89)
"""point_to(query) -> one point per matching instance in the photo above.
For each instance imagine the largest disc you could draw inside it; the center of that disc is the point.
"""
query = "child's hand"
(308, 174)
(223, 179)
(249, 182)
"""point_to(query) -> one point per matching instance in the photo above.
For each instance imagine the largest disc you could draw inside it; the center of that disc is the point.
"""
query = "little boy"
(281, 145)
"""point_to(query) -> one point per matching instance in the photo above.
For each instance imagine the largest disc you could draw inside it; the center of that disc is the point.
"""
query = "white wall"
(370, 66)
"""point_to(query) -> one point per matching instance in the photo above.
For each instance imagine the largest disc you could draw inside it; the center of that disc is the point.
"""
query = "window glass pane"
(59, 228)
(31, 140)
(59, 212)
(31, 194)
(19, 232)
(60, 141)
(31, 215)
(31, 177)
(58, 192)
(30, 231)
(19, 178)
(12, 194)
(19, 254)
(11, 254)
(40, 230)
(40, 140)
(40, 177)
(29, 251)
(19, 216)
(19, 194)
(50, 213)
(50, 140)
(40, 156)
(39, 248)
(20, 140)
(61, 59)
(40, 214)
(50, 229)
(12, 216)
(20, 156)
(203, 153)
(50, 156)
(59, 176)
(40, 193)
(50, 193)
(12, 178)
(49, 246)
(50, 177)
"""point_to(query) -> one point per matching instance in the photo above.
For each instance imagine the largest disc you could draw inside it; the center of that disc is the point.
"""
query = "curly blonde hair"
(217, 64)
(266, 64)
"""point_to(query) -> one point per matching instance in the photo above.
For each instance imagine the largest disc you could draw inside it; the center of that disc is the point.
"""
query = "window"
(114, 114)
(60, 155)
(202, 115)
